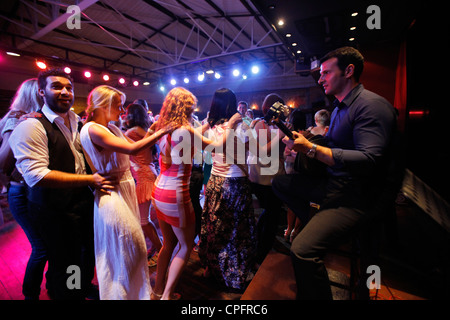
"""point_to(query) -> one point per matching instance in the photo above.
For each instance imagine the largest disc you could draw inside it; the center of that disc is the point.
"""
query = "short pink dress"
(171, 198)
(142, 169)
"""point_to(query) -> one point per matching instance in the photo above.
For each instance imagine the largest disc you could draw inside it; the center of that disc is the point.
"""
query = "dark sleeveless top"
(62, 159)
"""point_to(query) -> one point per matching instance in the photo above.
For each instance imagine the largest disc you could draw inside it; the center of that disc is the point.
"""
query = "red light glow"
(41, 65)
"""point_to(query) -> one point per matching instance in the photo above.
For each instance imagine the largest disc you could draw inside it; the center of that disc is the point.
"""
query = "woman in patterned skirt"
(228, 240)
(171, 198)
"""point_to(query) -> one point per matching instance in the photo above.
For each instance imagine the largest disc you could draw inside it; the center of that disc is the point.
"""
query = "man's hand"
(104, 184)
(299, 144)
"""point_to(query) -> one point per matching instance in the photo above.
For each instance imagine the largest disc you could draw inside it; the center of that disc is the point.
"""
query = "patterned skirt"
(228, 233)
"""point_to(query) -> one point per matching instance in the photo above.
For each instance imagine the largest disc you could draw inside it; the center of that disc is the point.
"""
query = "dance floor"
(412, 265)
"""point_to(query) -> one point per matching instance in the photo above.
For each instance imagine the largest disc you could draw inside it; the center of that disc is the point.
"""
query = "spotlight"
(135, 83)
(210, 71)
(122, 81)
(162, 88)
(173, 81)
(9, 53)
(87, 74)
(244, 76)
(186, 80)
(255, 69)
(146, 83)
(67, 70)
(217, 75)
(201, 77)
(105, 77)
(41, 65)
(236, 72)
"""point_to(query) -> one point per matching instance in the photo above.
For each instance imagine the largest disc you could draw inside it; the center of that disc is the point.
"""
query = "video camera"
(278, 113)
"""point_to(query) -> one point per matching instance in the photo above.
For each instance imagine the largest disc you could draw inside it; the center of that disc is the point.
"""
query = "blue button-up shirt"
(360, 131)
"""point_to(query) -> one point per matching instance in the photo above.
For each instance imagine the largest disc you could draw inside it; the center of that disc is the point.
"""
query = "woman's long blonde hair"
(177, 108)
(103, 97)
(26, 99)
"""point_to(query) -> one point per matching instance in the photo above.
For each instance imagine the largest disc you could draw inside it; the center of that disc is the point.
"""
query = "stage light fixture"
(9, 53)
(67, 70)
(87, 74)
(105, 77)
(217, 75)
(122, 81)
(146, 83)
(135, 83)
(186, 80)
(162, 88)
(210, 71)
(201, 77)
(255, 69)
(41, 65)
(173, 81)
(236, 72)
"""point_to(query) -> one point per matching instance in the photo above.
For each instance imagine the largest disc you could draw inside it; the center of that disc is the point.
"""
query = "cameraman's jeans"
(18, 204)
(337, 221)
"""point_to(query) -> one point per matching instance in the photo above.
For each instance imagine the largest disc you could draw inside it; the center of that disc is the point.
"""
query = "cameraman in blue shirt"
(357, 147)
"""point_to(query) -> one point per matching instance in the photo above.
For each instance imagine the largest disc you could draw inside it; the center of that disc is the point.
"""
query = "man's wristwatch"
(312, 152)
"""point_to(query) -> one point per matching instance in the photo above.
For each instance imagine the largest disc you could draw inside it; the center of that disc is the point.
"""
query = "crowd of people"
(90, 192)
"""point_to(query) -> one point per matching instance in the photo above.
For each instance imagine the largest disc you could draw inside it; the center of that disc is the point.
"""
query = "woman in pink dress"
(171, 197)
(143, 171)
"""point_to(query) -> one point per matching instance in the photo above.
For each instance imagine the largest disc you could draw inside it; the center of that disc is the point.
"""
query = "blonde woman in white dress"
(120, 248)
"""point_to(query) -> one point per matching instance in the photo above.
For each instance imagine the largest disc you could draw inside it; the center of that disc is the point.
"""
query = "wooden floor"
(406, 267)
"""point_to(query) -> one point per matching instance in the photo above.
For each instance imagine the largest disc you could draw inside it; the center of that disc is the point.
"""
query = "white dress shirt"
(29, 144)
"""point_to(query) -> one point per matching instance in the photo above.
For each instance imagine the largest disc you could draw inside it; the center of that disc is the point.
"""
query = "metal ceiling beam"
(219, 55)
(55, 24)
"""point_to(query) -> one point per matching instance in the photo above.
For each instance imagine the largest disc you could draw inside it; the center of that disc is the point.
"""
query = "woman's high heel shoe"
(294, 233)
(155, 296)
(287, 234)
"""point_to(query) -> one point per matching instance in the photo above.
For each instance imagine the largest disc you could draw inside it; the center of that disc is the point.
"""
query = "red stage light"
(41, 65)
(87, 74)
(121, 80)
(67, 70)
(105, 77)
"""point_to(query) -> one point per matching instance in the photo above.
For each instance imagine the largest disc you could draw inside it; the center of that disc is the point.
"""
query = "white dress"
(120, 248)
